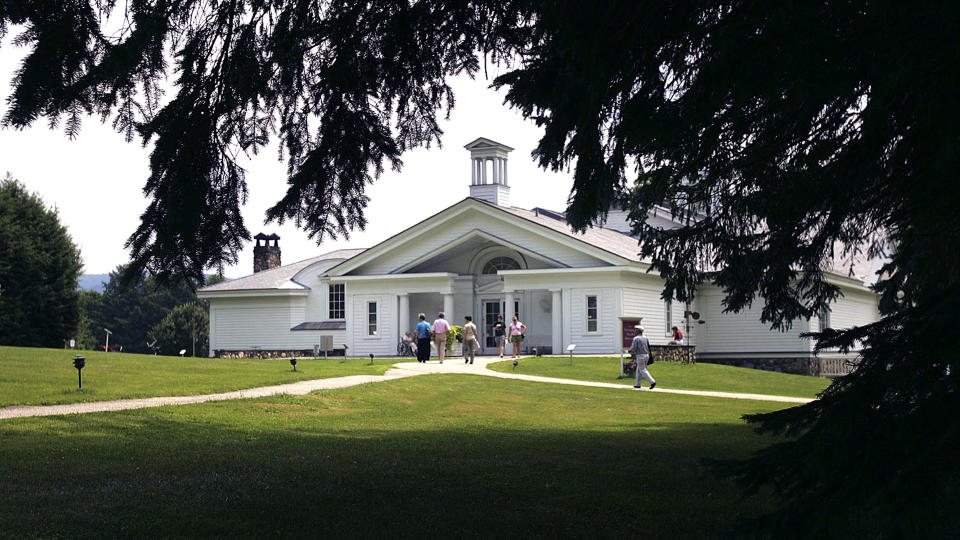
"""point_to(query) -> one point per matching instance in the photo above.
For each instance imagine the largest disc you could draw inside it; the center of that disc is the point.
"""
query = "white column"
(473, 172)
(404, 315)
(448, 307)
(556, 312)
(501, 176)
(505, 172)
(483, 169)
(508, 308)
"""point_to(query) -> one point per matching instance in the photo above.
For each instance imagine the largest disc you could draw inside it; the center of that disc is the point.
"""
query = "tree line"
(40, 305)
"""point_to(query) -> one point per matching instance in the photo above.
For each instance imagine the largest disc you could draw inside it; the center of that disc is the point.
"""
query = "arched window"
(500, 263)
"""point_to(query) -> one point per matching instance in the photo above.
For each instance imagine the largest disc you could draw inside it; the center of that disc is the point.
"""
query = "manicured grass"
(427, 457)
(30, 376)
(673, 375)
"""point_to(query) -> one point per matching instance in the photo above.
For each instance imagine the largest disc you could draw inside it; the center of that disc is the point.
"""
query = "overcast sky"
(95, 181)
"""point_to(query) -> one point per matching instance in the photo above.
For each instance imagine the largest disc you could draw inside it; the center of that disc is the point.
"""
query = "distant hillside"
(93, 282)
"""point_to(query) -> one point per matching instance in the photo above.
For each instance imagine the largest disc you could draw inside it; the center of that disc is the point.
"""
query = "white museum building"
(483, 257)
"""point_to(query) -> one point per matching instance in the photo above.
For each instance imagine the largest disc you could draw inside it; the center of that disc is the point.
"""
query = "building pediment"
(474, 223)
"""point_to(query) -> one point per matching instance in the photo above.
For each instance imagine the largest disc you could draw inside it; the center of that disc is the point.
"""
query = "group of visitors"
(439, 332)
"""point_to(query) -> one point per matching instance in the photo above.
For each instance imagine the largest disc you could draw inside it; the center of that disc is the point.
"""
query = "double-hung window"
(338, 301)
(593, 314)
(823, 318)
(371, 318)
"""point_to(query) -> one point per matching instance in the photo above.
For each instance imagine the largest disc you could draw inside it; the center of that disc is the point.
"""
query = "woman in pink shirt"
(517, 330)
(440, 330)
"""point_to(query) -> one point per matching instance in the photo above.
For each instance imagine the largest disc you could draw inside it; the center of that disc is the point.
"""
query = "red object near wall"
(628, 331)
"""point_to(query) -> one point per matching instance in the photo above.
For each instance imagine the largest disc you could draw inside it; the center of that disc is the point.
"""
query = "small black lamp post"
(515, 365)
(371, 359)
(293, 362)
(79, 362)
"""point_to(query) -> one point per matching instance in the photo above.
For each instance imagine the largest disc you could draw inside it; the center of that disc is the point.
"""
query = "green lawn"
(430, 456)
(673, 375)
(30, 376)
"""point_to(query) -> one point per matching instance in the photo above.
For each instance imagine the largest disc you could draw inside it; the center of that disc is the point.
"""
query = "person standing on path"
(470, 343)
(499, 332)
(517, 332)
(640, 347)
(440, 330)
(423, 339)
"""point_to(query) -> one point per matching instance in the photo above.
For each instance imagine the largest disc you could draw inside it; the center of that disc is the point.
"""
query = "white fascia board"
(477, 233)
(251, 293)
(845, 281)
(396, 241)
(390, 277)
(640, 268)
(546, 232)
(549, 278)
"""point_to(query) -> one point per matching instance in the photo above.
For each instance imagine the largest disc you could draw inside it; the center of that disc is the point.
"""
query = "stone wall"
(308, 353)
(804, 365)
(685, 354)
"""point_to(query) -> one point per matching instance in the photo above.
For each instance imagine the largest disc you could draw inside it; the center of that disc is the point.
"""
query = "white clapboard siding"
(605, 340)
(646, 302)
(263, 323)
(385, 342)
(854, 308)
(743, 332)
(436, 240)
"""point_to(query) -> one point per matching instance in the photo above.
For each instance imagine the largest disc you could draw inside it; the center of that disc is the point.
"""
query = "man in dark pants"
(423, 339)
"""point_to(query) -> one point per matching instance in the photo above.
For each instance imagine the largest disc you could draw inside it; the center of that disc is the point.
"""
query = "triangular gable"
(484, 143)
(433, 225)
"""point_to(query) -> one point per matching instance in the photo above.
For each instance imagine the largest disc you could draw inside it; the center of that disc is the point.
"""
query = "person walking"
(441, 328)
(499, 331)
(470, 343)
(640, 347)
(423, 331)
(517, 332)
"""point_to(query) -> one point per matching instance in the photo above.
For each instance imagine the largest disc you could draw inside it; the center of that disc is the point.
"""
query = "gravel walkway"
(398, 371)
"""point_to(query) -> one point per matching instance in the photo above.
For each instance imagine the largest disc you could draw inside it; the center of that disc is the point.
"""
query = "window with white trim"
(338, 301)
(371, 318)
(823, 318)
(500, 263)
(668, 317)
(593, 313)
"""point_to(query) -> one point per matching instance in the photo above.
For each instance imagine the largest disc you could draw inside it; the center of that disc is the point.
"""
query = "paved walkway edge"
(398, 371)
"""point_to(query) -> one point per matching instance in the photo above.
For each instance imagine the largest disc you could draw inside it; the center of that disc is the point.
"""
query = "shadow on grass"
(325, 465)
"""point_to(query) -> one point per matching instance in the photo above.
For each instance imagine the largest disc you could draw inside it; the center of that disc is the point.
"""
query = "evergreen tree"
(185, 327)
(39, 269)
(131, 308)
(790, 134)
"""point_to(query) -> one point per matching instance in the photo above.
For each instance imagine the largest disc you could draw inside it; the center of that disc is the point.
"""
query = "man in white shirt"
(441, 328)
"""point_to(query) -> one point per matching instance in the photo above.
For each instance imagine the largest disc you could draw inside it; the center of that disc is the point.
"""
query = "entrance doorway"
(490, 308)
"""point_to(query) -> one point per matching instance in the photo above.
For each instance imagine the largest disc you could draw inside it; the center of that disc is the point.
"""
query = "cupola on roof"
(488, 171)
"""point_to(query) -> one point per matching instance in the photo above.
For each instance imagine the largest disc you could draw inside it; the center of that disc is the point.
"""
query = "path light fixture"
(293, 362)
(515, 365)
(79, 362)
(570, 348)
(371, 359)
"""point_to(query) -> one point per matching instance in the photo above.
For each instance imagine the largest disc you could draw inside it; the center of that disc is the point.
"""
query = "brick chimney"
(266, 256)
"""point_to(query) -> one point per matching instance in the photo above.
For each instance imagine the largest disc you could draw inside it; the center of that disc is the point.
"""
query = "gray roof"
(609, 240)
(280, 277)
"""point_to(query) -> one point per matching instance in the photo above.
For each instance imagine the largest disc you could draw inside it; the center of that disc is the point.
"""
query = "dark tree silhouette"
(791, 134)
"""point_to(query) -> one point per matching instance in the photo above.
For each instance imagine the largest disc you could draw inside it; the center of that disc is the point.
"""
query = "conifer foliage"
(792, 134)
(39, 268)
